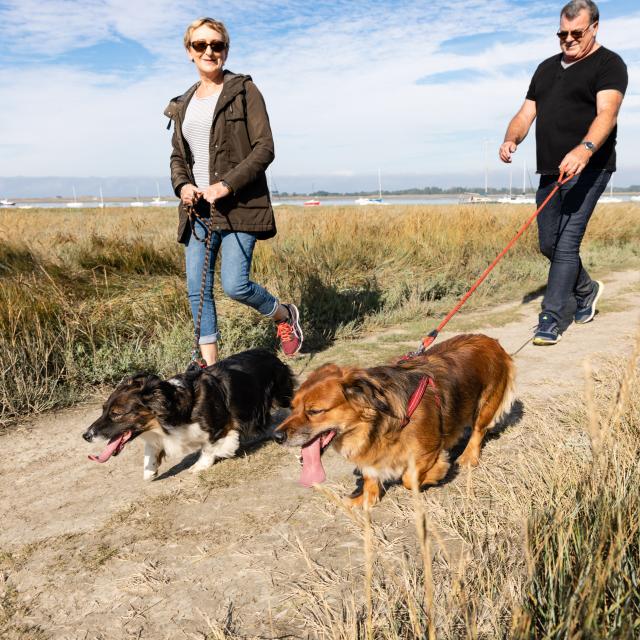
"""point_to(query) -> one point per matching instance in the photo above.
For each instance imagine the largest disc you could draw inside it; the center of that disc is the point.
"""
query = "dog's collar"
(416, 398)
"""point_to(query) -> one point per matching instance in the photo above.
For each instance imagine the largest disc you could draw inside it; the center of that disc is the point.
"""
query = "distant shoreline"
(148, 201)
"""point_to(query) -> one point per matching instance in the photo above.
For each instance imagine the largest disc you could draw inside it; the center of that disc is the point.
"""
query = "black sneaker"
(586, 309)
(548, 331)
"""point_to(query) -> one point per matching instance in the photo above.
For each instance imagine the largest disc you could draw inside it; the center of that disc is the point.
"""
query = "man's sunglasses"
(576, 34)
(201, 46)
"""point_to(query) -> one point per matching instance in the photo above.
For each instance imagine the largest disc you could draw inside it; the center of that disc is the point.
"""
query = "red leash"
(434, 334)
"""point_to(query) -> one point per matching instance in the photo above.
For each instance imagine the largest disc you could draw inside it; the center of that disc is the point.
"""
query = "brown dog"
(467, 380)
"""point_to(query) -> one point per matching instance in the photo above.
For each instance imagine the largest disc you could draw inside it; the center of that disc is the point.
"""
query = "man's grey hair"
(573, 8)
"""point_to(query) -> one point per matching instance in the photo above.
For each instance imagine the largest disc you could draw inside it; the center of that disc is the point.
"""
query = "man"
(576, 96)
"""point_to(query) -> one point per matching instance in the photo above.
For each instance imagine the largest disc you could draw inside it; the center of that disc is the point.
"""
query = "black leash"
(208, 225)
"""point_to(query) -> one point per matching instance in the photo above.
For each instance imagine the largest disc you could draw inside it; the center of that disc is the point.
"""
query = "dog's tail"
(508, 395)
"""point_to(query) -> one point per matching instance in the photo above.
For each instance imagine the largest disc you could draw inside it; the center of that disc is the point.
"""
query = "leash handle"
(429, 339)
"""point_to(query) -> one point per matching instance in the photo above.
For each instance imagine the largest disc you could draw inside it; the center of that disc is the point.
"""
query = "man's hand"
(575, 161)
(215, 192)
(189, 194)
(507, 149)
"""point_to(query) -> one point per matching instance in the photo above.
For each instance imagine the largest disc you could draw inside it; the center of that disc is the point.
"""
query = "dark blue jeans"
(561, 227)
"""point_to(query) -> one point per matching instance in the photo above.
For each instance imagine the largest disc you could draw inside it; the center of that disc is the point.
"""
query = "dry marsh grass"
(88, 296)
(549, 552)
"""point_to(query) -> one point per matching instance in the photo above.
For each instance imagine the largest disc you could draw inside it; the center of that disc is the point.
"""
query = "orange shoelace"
(284, 331)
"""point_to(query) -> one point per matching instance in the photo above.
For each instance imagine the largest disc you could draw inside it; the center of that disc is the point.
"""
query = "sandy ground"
(92, 551)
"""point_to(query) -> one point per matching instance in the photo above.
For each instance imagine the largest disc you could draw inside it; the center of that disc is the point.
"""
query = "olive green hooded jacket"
(240, 150)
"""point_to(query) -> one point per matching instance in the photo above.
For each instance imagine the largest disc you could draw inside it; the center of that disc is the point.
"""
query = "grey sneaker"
(586, 308)
(548, 331)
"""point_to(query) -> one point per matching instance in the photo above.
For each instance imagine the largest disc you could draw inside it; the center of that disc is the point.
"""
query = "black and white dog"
(211, 409)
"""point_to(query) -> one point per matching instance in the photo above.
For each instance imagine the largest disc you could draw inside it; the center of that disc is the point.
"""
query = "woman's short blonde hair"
(216, 25)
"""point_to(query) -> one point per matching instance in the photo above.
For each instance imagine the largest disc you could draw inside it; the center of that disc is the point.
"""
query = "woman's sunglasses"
(201, 46)
(576, 34)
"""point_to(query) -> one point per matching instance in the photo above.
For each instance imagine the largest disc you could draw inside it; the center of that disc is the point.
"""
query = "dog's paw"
(360, 501)
(468, 460)
(201, 466)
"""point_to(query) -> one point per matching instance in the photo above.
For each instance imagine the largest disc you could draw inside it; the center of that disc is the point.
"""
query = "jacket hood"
(233, 84)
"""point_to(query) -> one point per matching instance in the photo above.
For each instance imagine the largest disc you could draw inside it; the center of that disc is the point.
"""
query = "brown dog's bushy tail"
(508, 394)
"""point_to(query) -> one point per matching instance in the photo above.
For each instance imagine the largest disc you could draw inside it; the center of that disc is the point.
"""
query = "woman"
(222, 146)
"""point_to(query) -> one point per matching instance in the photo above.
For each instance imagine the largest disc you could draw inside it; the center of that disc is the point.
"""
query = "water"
(296, 202)
(85, 205)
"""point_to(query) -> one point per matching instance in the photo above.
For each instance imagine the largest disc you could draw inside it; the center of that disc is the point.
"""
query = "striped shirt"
(196, 129)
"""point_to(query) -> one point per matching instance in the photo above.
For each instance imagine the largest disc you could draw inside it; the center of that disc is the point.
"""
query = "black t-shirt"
(566, 106)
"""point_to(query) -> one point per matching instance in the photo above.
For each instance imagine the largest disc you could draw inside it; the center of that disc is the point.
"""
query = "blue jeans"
(561, 227)
(237, 252)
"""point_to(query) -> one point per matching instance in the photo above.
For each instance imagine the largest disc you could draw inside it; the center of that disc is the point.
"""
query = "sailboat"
(158, 200)
(273, 190)
(476, 198)
(523, 198)
(137, 202)
(5, 202)
(75, 204)
(610, 199)
(378, 200)
(101, 203)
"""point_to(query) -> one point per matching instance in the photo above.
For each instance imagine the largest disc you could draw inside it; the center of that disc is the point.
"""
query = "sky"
(422, 91)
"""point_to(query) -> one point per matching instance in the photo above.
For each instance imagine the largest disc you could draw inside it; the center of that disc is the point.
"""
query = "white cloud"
(340, 80)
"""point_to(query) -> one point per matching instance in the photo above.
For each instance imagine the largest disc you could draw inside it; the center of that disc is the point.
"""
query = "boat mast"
(510, 180)
(486, 167)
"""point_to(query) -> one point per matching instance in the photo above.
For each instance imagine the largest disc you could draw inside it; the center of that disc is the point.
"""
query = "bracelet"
(227, 185)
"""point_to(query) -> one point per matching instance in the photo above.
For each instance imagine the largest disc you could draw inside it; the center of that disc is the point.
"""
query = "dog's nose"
(88, 435)
(280, 436)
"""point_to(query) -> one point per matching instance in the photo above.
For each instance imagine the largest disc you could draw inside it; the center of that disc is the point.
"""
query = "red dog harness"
(416, 398)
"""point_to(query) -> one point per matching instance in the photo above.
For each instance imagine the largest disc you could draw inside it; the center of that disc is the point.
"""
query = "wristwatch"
(228, 186)
(589, 146)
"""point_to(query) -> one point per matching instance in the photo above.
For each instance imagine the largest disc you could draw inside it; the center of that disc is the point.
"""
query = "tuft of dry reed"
(545, 547)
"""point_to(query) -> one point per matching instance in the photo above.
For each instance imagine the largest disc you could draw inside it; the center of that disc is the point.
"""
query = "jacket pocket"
(236, 109)
(255, 194)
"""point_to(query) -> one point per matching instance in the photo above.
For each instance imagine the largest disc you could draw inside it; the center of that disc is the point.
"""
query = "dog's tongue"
(312, 469)
(115, 444)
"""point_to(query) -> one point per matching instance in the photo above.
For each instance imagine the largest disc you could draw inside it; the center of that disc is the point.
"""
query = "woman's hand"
(189, 194)
(215, 192)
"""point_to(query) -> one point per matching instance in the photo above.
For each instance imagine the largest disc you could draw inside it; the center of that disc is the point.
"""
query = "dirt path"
(93, 551)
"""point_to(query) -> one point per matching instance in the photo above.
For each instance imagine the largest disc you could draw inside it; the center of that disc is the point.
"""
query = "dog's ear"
(153, 393)
(365, 393)
(325, 371)
(136, 381)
